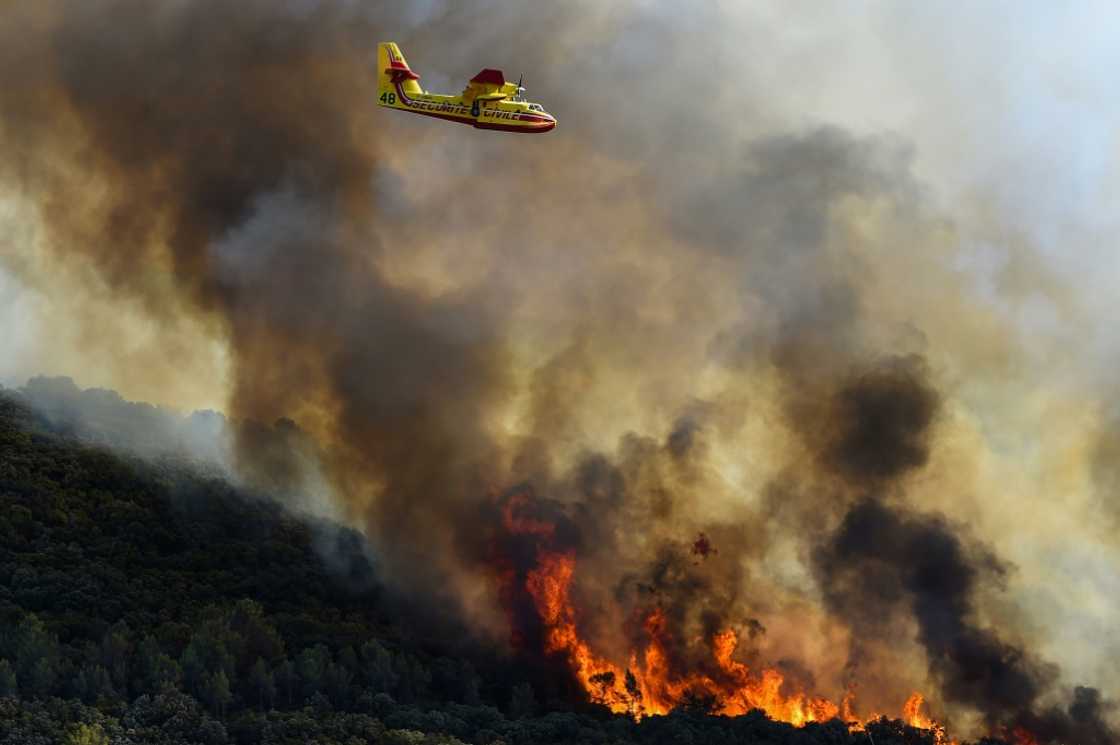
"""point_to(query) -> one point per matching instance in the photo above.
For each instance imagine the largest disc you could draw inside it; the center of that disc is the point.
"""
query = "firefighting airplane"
(488, 101)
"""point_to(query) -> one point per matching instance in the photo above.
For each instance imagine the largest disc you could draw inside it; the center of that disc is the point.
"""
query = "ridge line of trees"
(147, 601)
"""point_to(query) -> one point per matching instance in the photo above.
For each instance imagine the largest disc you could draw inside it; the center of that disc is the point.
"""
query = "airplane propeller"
(520, 78)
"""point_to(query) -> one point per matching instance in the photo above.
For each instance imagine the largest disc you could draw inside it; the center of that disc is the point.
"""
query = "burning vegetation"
(649, 682)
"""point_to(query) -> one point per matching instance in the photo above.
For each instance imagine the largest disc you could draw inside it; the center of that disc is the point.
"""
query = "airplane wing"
(489, 85)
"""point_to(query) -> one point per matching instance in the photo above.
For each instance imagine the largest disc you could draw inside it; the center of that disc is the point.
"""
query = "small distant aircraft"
(488, 101)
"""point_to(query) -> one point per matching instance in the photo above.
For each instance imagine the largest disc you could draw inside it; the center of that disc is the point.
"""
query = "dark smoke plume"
(884, 419)
(231, 143)
(883, 561)
(886, 563)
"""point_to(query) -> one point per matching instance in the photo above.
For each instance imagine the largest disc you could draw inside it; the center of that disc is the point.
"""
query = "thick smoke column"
(578, 354)
(249, 172)
(885, 564)
(884, 561)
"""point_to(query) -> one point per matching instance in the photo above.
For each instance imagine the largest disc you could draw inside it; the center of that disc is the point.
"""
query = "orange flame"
(648, 685)
(912, 712)
(912, 715)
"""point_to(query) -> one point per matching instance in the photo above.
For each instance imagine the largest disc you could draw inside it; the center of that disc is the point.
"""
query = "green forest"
(149, 600)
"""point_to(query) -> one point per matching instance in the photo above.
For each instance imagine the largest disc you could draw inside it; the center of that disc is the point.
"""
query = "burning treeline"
(683, 419)
(679, 626)
(654, 680)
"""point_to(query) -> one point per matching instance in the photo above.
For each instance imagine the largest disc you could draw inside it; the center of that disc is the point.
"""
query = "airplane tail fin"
(392, 70)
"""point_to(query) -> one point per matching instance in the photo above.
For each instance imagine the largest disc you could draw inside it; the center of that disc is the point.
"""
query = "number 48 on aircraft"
(488, 101)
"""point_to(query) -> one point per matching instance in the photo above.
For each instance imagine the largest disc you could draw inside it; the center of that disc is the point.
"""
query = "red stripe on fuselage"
(516, 128)
(477, 123)
(411, 102)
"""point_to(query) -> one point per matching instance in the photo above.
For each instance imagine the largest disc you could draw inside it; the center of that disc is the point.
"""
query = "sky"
(1010, 104)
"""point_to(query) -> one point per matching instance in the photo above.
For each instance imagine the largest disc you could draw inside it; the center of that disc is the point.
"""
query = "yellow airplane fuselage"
(487, 103)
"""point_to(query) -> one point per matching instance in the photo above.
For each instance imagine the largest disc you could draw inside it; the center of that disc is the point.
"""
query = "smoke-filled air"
(763, 381)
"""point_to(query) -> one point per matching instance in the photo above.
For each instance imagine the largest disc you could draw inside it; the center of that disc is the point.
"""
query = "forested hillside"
(149, 601)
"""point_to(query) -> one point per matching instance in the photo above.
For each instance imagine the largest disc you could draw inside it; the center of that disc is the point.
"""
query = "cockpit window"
(535, 107)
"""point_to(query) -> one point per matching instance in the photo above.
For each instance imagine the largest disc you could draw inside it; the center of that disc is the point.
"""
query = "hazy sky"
(1009, 106)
